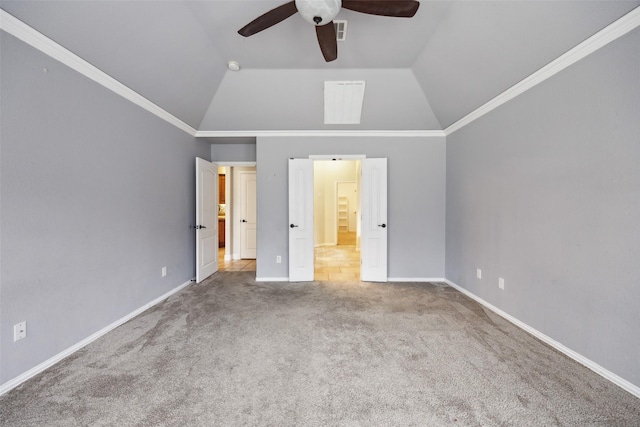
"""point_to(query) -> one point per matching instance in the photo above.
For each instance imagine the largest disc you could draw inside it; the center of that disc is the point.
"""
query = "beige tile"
(321, 277)
(339, 263)
(236, 264)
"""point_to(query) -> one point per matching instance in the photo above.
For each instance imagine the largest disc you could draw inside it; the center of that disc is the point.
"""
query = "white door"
(248, 214)
(300, 220)
(206, 219)
(374, 220)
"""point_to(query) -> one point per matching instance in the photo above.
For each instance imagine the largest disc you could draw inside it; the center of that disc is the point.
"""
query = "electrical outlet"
(164, 271)
(278, 259)
(19, 331)
(478, 273)
(500, 282)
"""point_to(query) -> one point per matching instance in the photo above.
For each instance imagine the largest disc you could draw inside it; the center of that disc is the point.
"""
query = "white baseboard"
(617, 380)
(11, 384)
(272, 279)
(416, 279)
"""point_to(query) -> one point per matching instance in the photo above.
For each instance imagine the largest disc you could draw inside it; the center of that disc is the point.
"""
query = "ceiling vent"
(343, 102)
(341, 29)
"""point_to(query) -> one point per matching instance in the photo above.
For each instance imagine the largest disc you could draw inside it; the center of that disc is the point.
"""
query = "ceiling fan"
(320, 13)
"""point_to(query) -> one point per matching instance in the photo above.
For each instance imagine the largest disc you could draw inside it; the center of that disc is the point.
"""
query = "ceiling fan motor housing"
(318, 12)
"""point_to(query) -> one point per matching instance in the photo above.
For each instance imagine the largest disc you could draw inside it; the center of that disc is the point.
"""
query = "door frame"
(233, 214)
(349, 157)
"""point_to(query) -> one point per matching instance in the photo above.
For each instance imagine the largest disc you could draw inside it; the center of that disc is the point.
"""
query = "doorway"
(373, 219)
(237, 218)
(336, 220)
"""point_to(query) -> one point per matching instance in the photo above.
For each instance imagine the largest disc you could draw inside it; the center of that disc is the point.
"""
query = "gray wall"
(179, 70)
(97, 196)
(233, 152)
(294, 99)
(416, 197)
(545, 192)
(482, 48)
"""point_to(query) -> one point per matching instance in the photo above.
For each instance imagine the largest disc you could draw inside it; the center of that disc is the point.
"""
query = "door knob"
(243, 220)
(293, 226)
(382, 225)
(198, 227)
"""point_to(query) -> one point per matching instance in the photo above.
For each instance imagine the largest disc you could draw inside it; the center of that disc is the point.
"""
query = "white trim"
(617, 380)
(416, 279)
(27, 34)
(337, 156)
(236, 164)
(272, 279)
(11, 384)
(603, 37)
(321, 133)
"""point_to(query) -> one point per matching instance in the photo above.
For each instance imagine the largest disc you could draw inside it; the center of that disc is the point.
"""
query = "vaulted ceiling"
(423, 73)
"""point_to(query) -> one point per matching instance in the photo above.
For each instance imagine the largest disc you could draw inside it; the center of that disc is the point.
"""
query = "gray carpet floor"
(230, 351)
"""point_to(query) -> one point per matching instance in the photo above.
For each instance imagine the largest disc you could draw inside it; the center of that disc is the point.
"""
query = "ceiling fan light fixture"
(318, 12)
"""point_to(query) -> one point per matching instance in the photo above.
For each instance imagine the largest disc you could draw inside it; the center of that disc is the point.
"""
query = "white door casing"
(374, 220)
(301, 220)
(248, 214)
(206, 219)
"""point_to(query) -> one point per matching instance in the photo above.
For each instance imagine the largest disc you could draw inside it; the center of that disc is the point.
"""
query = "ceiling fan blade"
(327, 41)
(397, 8)
(269, 19)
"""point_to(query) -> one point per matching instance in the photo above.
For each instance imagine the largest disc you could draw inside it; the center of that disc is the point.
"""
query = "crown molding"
(613, 31)
(27, 34)
(39, 41)
(318, 133)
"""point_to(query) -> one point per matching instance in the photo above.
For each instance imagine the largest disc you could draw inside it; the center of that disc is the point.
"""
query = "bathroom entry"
(237, 213)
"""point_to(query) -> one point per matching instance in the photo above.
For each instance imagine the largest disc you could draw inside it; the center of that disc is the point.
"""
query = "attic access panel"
(343, 102)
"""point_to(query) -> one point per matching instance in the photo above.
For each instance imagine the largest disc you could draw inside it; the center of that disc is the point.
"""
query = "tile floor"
(235, 264)
(337, 263)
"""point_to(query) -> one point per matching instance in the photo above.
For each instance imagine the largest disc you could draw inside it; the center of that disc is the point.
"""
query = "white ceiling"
(422, 73)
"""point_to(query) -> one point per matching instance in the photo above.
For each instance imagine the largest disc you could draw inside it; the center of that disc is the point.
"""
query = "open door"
(206, 219)
(374, 220)
(248, 212)
(301, 220)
